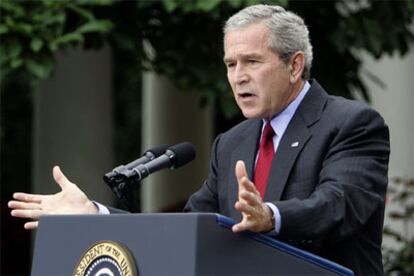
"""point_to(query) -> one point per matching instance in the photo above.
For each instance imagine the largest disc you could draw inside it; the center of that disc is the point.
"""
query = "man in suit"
(306, 167)
(328, 177)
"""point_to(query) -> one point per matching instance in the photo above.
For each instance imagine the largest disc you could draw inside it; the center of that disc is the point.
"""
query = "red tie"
(264, 161)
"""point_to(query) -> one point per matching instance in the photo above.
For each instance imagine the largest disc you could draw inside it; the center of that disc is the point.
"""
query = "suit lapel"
(292, 143)
(294, 140)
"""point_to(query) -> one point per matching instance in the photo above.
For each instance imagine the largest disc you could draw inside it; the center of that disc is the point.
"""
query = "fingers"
(31, 214)
(250, 198)
(60, 178)
(28, 197)
(242, 178)
(31, 225)
(245, 208)
(23, 205)
(240, 170)
(26, 206)
(242, 226)
(254, 219)
(246, 185)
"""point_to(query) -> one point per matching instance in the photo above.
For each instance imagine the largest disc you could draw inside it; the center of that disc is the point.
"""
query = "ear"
(296, 66)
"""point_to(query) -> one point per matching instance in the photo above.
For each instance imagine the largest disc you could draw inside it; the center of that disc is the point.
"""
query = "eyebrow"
(243, 56)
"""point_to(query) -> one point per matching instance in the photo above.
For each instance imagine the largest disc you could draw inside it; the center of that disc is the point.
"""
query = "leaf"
(372, 34)
(12, 7)
(17, 62)
(3, 29)
(67, 38)
(253, 2)
(207, 5)
(96, 26)
(283, 3)
(374, 78)
(47, 17)
(36, 45)
(14, 49)
(235, 3)
(390, 232)
(95, 2)
(169, 5)
(24, 28)
(54, 3)
(70, 37)
(41, 68)
(82, 12)
(397, 215)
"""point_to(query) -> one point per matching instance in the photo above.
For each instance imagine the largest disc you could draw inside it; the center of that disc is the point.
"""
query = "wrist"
(271, 219)
(91, 207)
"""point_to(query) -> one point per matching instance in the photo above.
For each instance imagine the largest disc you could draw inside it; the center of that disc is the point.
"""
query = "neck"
(295, 91)
(296, 88)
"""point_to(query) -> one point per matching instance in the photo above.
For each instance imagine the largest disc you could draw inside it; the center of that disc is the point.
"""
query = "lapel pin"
(294, 144)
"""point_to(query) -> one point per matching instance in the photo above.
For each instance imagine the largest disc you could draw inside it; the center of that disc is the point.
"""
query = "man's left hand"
(257, 216)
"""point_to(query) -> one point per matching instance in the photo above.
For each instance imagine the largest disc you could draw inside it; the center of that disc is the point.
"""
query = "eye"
(252, 61)
(230, 64)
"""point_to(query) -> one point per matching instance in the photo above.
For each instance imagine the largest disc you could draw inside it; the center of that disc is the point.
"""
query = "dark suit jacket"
(329, 189)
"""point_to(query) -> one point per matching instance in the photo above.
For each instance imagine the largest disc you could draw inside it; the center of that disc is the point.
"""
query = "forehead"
(252, 38)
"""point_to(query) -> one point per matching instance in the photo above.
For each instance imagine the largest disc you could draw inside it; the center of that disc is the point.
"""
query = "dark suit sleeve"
(352, 183)
(116, 211)
(206, 198)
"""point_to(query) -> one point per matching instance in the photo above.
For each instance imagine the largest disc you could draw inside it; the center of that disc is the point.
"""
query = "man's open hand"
(257, 216)
(70, 200)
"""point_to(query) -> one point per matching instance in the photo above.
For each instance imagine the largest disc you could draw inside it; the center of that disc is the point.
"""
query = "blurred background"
(91, 84)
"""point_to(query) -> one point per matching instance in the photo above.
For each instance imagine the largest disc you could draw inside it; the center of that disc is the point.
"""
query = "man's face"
(259, 79)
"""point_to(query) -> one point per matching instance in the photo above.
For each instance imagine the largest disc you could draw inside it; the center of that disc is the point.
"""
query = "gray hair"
(289, 33)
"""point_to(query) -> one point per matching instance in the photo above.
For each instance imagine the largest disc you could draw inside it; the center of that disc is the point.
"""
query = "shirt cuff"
(276, 214)
(102, 210)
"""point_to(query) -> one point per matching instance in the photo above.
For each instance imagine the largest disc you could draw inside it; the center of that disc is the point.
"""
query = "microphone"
(173, 158)
(146, 157)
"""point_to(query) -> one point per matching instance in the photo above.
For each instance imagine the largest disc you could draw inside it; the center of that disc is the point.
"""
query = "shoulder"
(338, 110)
(242, 134)
(243, 129)
(352, 122)
(351, 112)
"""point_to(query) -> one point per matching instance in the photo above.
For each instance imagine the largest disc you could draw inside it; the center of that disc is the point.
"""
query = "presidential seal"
(106, 258)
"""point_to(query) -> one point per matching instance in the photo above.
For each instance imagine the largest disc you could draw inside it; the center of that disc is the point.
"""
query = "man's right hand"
(256, 215)
(70, 200)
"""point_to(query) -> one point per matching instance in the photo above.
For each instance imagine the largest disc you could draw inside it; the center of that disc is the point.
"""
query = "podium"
(170, 244)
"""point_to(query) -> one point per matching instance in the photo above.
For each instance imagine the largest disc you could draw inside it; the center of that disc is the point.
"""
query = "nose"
(241, 74)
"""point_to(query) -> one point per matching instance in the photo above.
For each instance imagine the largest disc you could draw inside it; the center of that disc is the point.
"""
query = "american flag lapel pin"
(295, 144)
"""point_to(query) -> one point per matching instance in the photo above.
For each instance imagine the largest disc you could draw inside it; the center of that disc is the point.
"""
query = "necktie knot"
(268, 132)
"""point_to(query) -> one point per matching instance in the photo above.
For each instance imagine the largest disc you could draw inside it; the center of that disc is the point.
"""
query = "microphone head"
(183, 153)
(158, 150)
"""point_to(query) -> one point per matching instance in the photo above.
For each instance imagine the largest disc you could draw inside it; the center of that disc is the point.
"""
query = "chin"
(252, 115)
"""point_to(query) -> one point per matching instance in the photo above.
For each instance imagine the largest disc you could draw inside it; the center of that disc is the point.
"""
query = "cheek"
(266, 85)
(230, 79)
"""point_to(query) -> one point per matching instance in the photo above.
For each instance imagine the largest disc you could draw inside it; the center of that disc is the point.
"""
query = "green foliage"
(31, 31)
(401, 260)
(186, 38)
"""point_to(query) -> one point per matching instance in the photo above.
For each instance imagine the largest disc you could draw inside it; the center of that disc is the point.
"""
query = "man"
(306, 167)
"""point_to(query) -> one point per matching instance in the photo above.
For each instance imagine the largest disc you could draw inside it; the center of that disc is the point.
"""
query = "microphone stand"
(123, 187)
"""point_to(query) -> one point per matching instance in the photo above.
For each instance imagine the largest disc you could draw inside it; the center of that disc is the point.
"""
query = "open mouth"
(245, 95)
